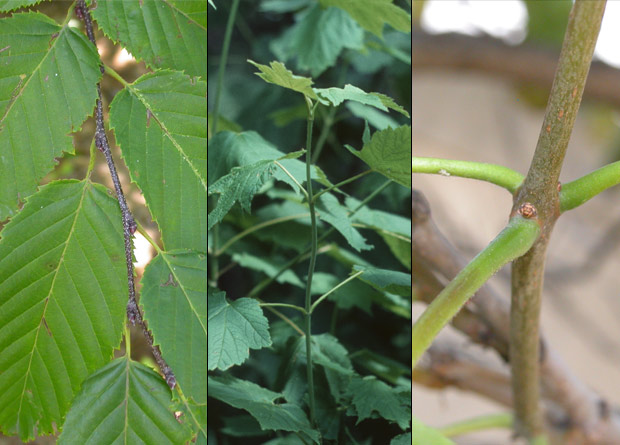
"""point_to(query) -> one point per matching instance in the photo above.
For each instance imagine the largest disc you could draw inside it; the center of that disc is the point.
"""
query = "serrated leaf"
(47, 89)
(240, 185)
(386, 280)
(318, 39)
(269, 266)
(371, 395)
(277, 74)
(174, 297)
(160, 123)
(233, 328)
(389, 153)
(196, 11)
(335, 96)
(372, 15)
(63, 290)
(10, 5)
(376, 118)
(160, 33)
(228, 150)
(123, 402)
(336, 215)
(402, 439)
(423, 434)
(261, 404)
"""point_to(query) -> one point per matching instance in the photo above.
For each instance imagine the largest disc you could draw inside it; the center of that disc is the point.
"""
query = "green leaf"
(372, 15)
(233, 328)
(174, 297)
(386, 280)
(423, 434)
(318, 39)
(335, 96)
(9, 5)
(63, 291)
(402, 439)
(389, 153)
(196, 11)
(376, 118)
(123, 402)
(261, 404)
(277, 74)
(269, 266)
(228, 150)
(161, 33)
(335, 214)
(212, 4)
(47, 89)
(370, 395)
(160, 123)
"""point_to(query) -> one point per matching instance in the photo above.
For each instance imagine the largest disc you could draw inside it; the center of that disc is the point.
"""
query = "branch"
(129, 225)
(512, 242)
(495, 174)
(541, 189)
(522, 63)
(576, 192)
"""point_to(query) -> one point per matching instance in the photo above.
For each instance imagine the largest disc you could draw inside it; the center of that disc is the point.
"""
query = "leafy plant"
(298, 259)
(66, 262)
(538, 201)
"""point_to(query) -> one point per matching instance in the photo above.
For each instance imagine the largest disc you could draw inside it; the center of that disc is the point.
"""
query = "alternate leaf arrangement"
(66, 281)
(538, 201)
(273, 217)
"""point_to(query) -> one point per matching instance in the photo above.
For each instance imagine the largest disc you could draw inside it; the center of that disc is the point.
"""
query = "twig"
(129, 225)
(541, 189)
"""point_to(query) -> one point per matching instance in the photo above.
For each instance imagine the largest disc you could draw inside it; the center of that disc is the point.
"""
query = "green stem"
(290, 306)
(477, 424)
(127, 341)
(215, 232)
(496, 174)
(313, 247)
(326, 294)
(512, 242)
(341, 183)
(577, 192)
(256, 227)
(109, 71)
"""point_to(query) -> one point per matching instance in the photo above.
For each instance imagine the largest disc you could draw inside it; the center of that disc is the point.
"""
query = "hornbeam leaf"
(372, 15)
(260, 403)
(163, 34)
(63, 289)
(9, 5)
(47, 88)
(124, 402)
(233, 328)
(160, 122)
(389, 153)
(174, 297)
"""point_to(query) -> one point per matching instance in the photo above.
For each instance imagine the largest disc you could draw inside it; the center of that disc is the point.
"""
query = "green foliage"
(423, 434)
(123, 401)
(63, 271)
(372, 15)
(285, 325)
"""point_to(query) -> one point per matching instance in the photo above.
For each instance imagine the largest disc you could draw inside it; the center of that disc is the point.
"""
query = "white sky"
(507, 19)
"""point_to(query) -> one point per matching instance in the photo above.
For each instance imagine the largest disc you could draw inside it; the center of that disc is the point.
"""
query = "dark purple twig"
(129, 225)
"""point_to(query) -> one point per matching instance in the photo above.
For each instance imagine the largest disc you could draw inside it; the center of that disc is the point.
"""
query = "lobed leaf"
(174, 297)
(386, 280)
(335, 96)
(261, 404)
(371, 395)
(164, 34)
(337, 215)
(372, 15)
(47, 88)
(160, 123)
(277, 74)
(318, 38)
(123, 402)
(233, 328)
(389, 153)
(63, 290)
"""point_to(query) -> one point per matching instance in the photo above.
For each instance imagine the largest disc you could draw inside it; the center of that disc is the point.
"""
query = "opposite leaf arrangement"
(66, 282)
(299, 386)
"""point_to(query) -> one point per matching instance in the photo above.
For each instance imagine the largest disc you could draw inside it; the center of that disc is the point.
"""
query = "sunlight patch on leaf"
(372, 15)
(174, 298)
(277, 74)
(389, 153)
(63, 291)
(123, 402)
(233, 328)
(264, 405)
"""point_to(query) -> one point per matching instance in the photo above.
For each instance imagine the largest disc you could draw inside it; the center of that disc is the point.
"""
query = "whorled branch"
(129, 224)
